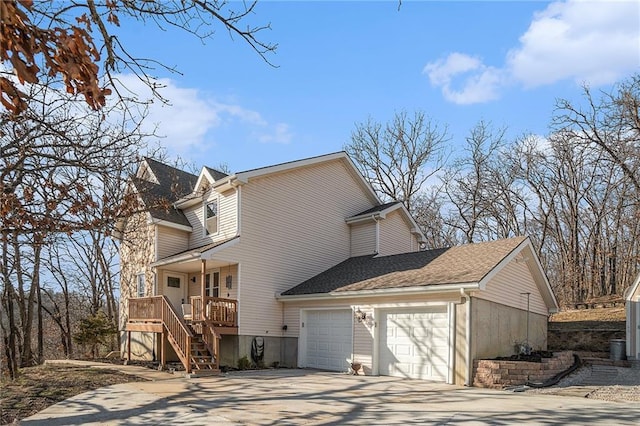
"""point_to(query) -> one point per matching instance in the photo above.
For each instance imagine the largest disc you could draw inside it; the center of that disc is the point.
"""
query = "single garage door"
(328, 339)
(415, 343)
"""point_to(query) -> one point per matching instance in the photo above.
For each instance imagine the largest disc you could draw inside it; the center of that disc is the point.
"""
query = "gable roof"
(460, 265)
(216, 174)
(171, 184)
(377, 209)
(631, 292)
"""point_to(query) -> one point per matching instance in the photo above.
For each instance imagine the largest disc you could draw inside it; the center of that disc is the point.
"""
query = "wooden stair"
(203, 362)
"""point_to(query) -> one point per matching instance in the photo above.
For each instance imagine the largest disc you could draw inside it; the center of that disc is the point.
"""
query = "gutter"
(380, 292)
(182, 258)
(370, 217)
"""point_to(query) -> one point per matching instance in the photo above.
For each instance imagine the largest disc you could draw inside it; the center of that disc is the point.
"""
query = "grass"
(39, 387)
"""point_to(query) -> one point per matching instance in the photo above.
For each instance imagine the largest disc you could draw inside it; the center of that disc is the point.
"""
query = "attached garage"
(327, 339)
(423, 315)
(414, 343)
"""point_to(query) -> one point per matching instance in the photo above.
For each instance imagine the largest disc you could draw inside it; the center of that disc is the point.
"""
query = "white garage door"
(415, 344)
(328, 339)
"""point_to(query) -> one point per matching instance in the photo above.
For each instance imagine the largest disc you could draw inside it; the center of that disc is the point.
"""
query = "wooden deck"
(196, 342)
(145, 313)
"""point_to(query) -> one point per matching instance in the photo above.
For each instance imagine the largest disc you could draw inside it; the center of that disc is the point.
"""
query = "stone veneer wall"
(500, 373)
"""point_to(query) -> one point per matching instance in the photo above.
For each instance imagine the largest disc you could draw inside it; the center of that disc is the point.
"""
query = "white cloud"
(479, 82)
(278, 133)
(186, 121)
(594, 42)
(587, 41)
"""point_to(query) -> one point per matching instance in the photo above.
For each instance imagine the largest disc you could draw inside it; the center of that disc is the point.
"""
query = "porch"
(194, 337)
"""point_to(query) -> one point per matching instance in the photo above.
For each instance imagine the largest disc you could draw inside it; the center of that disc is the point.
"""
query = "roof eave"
(170, 224)
(384, 292)
(179, 259)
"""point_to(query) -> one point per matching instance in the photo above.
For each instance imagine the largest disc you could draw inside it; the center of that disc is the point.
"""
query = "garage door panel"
(415, 344)
(328, 339)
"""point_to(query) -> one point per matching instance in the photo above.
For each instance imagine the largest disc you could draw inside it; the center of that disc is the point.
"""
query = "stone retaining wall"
(500, 373)
(583, 339)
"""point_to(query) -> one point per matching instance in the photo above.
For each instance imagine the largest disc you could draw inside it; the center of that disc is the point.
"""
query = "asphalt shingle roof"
(467, 263)
(216, 174)
(376, 209)
(159, 198)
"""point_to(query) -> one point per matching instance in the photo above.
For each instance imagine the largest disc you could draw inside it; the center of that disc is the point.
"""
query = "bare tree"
(64, 170)
(610, 123)
(58, 39)
(467, 184)
(397, 158)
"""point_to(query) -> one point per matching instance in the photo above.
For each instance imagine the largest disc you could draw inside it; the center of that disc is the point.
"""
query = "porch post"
(128, 347)
(203, 272)
(163, 350)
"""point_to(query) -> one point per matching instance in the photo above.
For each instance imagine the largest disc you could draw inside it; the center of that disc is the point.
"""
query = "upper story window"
(140, 278)
(211, 217)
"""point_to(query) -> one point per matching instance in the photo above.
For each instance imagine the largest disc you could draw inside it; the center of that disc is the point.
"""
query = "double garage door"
(412, 343)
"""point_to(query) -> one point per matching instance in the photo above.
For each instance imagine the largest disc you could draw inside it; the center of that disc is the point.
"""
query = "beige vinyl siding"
(363, 239)
(395, 235)
(194, 288)
(508, 286)
(363, 334)
(171, 241)
(227, 225)
(293, 227)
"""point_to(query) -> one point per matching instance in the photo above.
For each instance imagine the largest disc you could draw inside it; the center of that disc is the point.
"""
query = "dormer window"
(211, 217)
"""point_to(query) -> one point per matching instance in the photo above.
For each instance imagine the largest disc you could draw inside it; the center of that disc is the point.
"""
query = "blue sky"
(341, 62)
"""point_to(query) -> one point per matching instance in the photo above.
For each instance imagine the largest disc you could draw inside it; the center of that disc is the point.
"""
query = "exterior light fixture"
(360, 316)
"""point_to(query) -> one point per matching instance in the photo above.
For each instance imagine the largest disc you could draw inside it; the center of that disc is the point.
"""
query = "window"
(212, 284)
(211, 217)
(173, 282)
(141, 286)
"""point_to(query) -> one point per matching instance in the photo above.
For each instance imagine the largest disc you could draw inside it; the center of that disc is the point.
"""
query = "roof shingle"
(467, 263)
(172, 184)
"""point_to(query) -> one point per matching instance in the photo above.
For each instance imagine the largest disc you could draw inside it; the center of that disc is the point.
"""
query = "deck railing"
(145, 308)
(217, 311)
(159, 309)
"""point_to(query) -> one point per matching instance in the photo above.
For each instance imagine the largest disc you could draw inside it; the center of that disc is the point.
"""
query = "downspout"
(237, 186)
(376, 217)
(469, 378)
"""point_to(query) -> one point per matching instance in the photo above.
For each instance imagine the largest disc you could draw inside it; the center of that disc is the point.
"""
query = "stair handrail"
(181, 335)
(211, 340)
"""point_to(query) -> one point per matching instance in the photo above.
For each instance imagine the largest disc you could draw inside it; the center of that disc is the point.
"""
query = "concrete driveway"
(277, 397)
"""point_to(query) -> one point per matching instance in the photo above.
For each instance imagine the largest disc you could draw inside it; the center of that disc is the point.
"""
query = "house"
(632, 303)
(301, 264)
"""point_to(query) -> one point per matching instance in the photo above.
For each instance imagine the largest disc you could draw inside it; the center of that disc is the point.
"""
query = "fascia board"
(171, 225)
(408, 291)
(179, 259)
(250, 174)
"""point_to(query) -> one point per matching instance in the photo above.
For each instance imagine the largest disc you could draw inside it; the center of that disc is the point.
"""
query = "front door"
(174, 286)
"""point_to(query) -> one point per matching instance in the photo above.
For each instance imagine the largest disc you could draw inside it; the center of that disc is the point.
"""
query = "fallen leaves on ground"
(39, 387)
